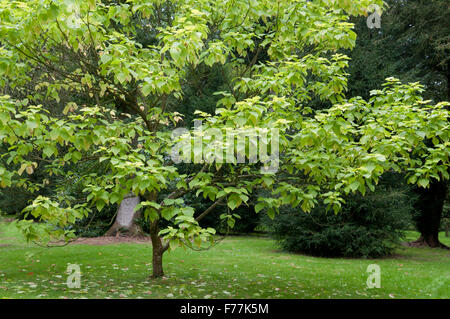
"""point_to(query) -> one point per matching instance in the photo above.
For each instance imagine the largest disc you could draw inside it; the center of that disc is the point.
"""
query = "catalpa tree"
(118, 96)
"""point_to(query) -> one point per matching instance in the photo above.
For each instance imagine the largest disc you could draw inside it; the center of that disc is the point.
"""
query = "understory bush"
(368, 226)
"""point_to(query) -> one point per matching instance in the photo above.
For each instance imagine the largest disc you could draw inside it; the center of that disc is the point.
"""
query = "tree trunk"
(429, 208)
(158, 270)
(158, 251)
(126, 218)
(430, 240)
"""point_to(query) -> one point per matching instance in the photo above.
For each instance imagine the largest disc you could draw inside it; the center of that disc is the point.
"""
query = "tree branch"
(209, 209)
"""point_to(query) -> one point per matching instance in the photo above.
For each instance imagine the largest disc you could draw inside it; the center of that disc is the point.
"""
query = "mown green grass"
(238, 267)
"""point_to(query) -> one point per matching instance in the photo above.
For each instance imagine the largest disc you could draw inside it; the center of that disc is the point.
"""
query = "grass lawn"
(238, 267)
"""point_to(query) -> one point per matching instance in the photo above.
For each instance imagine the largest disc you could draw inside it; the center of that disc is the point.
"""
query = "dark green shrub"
(369, 226)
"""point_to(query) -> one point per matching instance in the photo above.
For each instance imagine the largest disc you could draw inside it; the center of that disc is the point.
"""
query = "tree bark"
(126, 218)
(158, 270)
(429, 207)
(158, 251)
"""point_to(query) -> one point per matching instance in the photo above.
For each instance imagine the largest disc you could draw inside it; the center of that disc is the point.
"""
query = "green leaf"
(48, 151)
(168, 212)
(174, 243)
(114, 198)
(121, 77)
(423, 182)
(100, 204)
(151, 214)
(22, 168)
(259, 207)
(234, 201)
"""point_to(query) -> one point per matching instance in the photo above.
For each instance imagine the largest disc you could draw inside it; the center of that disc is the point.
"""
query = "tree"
(413, 45)
(304, 156)
(127, 215)
(428, 214)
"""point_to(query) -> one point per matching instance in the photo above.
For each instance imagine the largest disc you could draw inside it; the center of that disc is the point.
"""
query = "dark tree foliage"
(14, 199)
(369, 226)
(413, 44)
(198, 92)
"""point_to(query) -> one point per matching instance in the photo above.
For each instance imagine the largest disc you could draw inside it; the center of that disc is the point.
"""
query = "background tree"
(413, 45)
